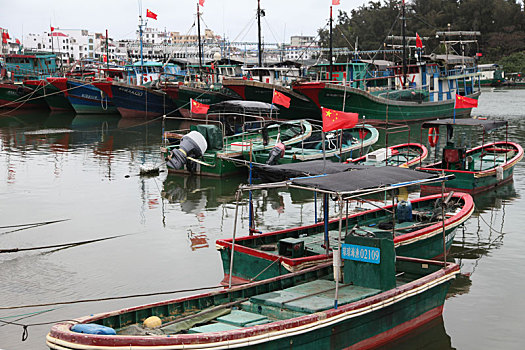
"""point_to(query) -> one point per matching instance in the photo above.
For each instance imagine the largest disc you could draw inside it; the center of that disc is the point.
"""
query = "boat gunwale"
(508, 164)
(407, 164)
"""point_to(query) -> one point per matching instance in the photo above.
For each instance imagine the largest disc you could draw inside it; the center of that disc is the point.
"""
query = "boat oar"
(207, 311)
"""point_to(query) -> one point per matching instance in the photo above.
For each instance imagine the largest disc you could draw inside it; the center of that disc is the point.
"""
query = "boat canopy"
(358, 180)
(488, 125)
(281, 172)
(242, 107)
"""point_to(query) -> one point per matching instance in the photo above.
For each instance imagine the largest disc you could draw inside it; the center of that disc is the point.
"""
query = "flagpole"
(455, 99)
(331, 67)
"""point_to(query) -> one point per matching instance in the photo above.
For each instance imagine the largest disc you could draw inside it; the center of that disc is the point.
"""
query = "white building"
(301, 48)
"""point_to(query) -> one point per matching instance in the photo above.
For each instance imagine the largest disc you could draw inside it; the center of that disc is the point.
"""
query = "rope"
(16, 250)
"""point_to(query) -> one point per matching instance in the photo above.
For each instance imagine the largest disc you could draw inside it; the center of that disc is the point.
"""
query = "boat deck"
(303, 299)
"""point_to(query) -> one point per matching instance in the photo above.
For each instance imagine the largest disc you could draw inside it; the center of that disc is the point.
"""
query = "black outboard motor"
(193, 144)
(276, 153)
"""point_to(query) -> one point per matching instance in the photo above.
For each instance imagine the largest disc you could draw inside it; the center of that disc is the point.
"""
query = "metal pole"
(107, 51)
(326, 219)
(237, 197)
(443, 220)
(250, 214)
(337, 254)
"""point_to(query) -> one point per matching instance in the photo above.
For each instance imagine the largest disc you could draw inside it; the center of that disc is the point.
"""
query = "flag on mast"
(335, 120)
(151, 14)
(280, 99)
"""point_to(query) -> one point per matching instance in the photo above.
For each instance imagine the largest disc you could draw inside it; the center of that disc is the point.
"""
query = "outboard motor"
(193, 144)
(276, 153)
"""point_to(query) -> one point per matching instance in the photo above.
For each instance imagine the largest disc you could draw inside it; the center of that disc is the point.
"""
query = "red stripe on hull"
(398, 331)
(21, 105)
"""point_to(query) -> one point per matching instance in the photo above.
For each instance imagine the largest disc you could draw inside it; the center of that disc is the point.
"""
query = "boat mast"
(330, 52)
(141, 55)
(259, 38)
(403, 25)
(199, 35)
(107, 51)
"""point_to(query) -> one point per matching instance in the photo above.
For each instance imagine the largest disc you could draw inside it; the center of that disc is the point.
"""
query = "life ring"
(433, 136)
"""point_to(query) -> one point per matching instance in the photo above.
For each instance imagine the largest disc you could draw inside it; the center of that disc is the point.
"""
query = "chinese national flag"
(335, 120)
(419, 42)
(151, 14)
(280, 99)
(465, 102)
(336, 2)
(52, 29)
(201, 2)
(197, 107)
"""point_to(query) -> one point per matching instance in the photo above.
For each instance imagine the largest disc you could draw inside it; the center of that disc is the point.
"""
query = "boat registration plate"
(361, 253)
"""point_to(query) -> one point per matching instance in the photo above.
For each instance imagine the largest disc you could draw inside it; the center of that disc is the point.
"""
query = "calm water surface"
(161, 231)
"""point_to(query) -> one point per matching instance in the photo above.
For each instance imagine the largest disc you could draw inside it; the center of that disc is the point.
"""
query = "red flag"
(419, 42)
(4, 38)
(465, 102)
(52, 29)
(151, 14)
(280, 99)
(7, 35)
(17, 41)
(197, 107)
(201, 2)
(335, 120)
(336, 2)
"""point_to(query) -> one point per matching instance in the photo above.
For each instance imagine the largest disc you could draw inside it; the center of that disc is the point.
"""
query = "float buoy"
(433, 136)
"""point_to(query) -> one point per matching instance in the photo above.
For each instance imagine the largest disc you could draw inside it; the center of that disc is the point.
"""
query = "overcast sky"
(225, 17)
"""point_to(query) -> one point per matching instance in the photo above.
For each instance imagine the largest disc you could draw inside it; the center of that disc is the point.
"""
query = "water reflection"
(431, 336)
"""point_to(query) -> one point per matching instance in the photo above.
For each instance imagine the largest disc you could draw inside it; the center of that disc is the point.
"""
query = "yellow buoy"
(152, 322)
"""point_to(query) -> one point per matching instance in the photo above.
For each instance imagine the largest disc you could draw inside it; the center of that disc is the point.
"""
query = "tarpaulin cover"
(488, 125)
(212, 134)
(281, 172)
(242, 107)
(363, 179)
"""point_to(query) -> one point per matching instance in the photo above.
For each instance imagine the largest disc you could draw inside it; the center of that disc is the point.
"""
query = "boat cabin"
(30, 66)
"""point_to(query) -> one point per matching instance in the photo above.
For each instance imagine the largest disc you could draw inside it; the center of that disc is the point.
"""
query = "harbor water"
(71, 184)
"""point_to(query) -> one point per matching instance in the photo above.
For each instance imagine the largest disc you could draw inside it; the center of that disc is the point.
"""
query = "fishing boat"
(365, 298)
(55, 99)
(207, 150)
(423, 88)
(339, 145)
(404, 155)
(491, 75)
(476, 169)
(136, 101)
(301, 106)
(84, 97)
(16, 96)
(417, 225)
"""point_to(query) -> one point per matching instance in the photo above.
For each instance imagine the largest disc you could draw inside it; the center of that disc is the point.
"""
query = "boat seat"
(213, 327)
(241, 318)
(313, 296)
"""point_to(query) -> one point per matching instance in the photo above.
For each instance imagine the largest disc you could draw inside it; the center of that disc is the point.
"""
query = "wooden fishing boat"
(340, 145)
(405, 155)
(55, 99)
(279, 252)
(84, 97)
(215, 150)
(17, 96)
(477, 169)
(136, 101)
(371, 305)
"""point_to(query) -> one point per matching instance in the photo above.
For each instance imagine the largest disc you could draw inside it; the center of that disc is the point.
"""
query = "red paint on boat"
(105, 86)
(310, 90)
(59, 83)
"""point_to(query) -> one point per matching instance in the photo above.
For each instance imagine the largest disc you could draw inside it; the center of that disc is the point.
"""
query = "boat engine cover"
(276, 153)
(193, 144)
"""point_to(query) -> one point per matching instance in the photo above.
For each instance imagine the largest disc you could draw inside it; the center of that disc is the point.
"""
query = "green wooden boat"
(378, 106)
(15, 96)
(275, 253)
(54, 97)
(372, 304)
(339, 146)
(478, 169)
(216, 160)
(405, 155)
